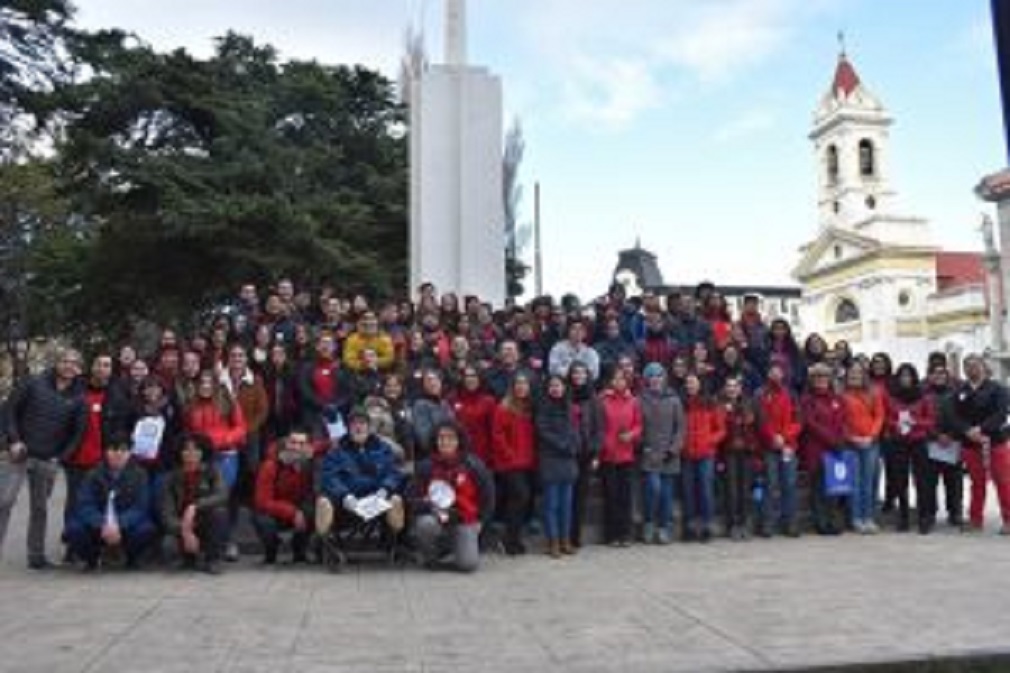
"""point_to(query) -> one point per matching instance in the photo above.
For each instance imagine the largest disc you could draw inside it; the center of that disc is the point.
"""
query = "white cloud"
(610, 93)
(747, 124)
(616, 57)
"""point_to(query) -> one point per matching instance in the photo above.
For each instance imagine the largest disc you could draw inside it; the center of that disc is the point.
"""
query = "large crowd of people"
(451, 424)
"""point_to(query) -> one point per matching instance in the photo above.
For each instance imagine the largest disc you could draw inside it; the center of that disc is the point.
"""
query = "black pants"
(516, 492)
(268, 529)
(736, 490)
(617, 485)
(953, 484)
(582, 483)
(910, 460)
(211, 528)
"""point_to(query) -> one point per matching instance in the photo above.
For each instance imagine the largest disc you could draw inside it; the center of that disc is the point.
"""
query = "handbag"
(839, 473)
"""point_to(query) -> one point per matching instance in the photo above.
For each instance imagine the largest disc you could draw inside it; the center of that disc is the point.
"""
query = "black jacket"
(211, 493)
(557, 440)
(50, 422)
(986, 407)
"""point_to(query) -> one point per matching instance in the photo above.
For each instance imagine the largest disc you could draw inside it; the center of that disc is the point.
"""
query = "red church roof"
(846, 79)
(959, 269)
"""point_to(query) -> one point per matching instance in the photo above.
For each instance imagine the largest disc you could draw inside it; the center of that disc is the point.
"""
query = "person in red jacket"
(217, 416)
(452, 495)
(616, 432)
(780, 430)
(706, 429)
(474, 409)
(513, 454)
(823, 431)
(285, 496)
(911, 419)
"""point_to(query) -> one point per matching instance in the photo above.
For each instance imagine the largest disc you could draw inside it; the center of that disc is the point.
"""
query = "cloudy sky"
(682, 122)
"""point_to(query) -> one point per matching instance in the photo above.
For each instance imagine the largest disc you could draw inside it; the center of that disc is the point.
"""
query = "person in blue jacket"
(113, 509)
(361, 465)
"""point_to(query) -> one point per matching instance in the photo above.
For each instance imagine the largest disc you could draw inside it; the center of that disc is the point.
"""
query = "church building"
(873, 276)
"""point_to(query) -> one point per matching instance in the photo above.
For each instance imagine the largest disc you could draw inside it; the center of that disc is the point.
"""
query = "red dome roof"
(846, 79)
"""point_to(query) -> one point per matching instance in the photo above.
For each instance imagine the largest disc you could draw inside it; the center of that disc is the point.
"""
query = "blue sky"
(682, 122)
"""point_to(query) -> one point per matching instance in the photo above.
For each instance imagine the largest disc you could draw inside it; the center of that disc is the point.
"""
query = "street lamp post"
(996, 188)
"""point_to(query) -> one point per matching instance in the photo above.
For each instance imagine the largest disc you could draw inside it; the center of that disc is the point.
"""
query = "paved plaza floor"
(763, 605)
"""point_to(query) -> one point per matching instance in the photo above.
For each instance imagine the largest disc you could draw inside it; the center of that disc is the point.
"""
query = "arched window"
(846, 311)
(867, 158)
(832, 164)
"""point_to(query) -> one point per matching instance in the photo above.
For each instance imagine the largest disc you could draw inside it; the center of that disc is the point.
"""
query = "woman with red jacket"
(616, 432)
(823, 414)
(474, 408)
(216, 415)
(779, 432)
(513, 454)
(706, 429)
(911, 419)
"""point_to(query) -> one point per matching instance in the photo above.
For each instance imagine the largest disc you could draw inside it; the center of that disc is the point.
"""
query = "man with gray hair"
(46, 419)
(980, 409)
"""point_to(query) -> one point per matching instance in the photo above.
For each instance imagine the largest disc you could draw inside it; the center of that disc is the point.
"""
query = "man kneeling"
(112, 510)
(453, 492)
(361, 466)
(194, 506)
(285, 496)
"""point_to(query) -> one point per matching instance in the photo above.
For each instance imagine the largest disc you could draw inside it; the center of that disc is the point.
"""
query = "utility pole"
(538, 256)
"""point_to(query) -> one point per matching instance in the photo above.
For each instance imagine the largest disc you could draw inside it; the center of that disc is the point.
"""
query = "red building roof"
(959, 269)
(846, 79)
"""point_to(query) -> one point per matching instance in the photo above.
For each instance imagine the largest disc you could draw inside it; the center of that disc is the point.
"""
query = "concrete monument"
(457, 205)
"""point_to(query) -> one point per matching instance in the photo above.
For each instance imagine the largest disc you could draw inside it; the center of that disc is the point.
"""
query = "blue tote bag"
(839, 473)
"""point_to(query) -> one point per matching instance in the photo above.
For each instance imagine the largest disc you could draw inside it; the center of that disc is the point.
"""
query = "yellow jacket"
(357, 343)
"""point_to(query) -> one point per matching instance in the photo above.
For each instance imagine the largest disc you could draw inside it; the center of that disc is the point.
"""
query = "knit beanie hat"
(653, 369)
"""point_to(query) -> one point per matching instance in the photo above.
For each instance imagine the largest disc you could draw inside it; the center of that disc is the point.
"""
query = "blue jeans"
(557, 503)
(781, 489)
(227, 464)
(863, 503)
(657, 501)
(699, 491)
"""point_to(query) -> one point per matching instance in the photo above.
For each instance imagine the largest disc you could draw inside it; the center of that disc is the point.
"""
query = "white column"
(455, 32)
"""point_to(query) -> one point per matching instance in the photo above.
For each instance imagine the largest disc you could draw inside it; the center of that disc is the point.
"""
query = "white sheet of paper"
(371, 507)
(147, 437)
(950, 454)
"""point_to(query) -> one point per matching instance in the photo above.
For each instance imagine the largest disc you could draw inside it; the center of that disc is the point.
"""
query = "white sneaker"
(871, 528)
(231, 553)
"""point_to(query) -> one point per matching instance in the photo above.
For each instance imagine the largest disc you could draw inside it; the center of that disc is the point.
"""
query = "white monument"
(457, 211)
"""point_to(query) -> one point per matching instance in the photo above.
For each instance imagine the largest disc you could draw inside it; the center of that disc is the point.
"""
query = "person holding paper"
(944, 450)
(112, 509)
(452, 495)
(325, 391)
(910, 422)
(358, 475)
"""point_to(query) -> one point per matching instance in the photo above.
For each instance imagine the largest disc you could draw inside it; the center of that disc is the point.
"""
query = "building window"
(904, 299)
(832, 164)
(837, 207)
(846, 311)
(838, 252)
(867, 160)
(871, 202)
